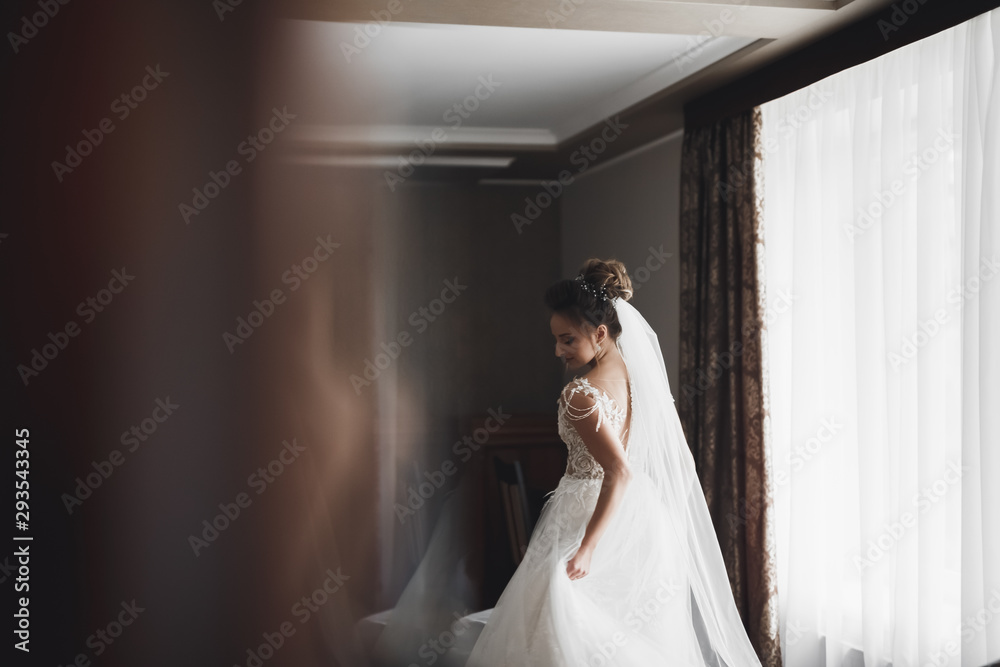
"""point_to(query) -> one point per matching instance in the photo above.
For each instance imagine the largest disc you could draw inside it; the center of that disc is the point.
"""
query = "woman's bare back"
(613, 380)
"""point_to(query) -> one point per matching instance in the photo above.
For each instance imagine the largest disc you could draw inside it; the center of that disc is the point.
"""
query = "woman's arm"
(607, 450)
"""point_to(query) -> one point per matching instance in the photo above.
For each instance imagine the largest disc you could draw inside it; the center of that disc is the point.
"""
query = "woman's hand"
(579, 565)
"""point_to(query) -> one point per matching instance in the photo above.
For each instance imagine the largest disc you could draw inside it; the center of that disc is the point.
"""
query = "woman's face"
(574, 344)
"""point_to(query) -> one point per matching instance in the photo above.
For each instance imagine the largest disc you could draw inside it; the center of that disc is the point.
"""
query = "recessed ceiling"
(516, 81)
(482, 85)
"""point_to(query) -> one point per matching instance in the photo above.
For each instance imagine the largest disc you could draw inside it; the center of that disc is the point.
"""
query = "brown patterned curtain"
(721, 401)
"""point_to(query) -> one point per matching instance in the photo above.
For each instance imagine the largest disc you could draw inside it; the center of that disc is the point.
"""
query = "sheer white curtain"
(882, 230)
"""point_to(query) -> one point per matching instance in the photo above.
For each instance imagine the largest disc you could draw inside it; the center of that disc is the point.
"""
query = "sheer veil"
(658, 450)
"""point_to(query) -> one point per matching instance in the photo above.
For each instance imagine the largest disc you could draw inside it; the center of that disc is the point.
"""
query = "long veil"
(657, 447)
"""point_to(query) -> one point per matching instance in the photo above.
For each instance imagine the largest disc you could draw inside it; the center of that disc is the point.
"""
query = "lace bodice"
(580, 464)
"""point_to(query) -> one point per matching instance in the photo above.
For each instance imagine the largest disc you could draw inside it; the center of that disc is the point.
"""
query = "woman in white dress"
(623, 567)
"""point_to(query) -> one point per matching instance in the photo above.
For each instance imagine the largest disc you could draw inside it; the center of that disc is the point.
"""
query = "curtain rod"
(870, 37)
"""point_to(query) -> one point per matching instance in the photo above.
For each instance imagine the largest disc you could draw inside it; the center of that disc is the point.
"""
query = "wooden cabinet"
(532, 441)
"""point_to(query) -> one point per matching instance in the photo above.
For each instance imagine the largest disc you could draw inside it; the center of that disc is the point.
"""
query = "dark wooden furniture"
(532, 443)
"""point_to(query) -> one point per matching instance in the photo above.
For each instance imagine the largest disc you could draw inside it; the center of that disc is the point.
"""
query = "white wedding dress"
(657, 592)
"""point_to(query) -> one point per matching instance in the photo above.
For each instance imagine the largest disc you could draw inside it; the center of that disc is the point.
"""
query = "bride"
(623, 567)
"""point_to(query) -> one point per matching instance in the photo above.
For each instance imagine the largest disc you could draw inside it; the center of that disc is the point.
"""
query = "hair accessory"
(600, 293)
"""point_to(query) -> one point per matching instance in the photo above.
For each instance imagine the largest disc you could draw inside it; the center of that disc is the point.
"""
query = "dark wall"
(158, 338)
(161, 339)
(630, 209)
(489, 349)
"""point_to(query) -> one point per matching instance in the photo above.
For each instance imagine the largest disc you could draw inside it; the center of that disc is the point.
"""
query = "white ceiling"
(359, 94)
(546, 85)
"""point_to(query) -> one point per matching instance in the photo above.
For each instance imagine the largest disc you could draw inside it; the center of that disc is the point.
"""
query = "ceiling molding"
(394, 161)
(426, 138)
(652, 104)
(702, 54)
(769, 19)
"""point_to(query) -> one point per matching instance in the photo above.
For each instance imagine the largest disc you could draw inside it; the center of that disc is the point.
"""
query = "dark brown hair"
(583, 303)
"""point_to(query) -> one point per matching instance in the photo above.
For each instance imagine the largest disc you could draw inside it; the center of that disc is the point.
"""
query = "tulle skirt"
(633, 609)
